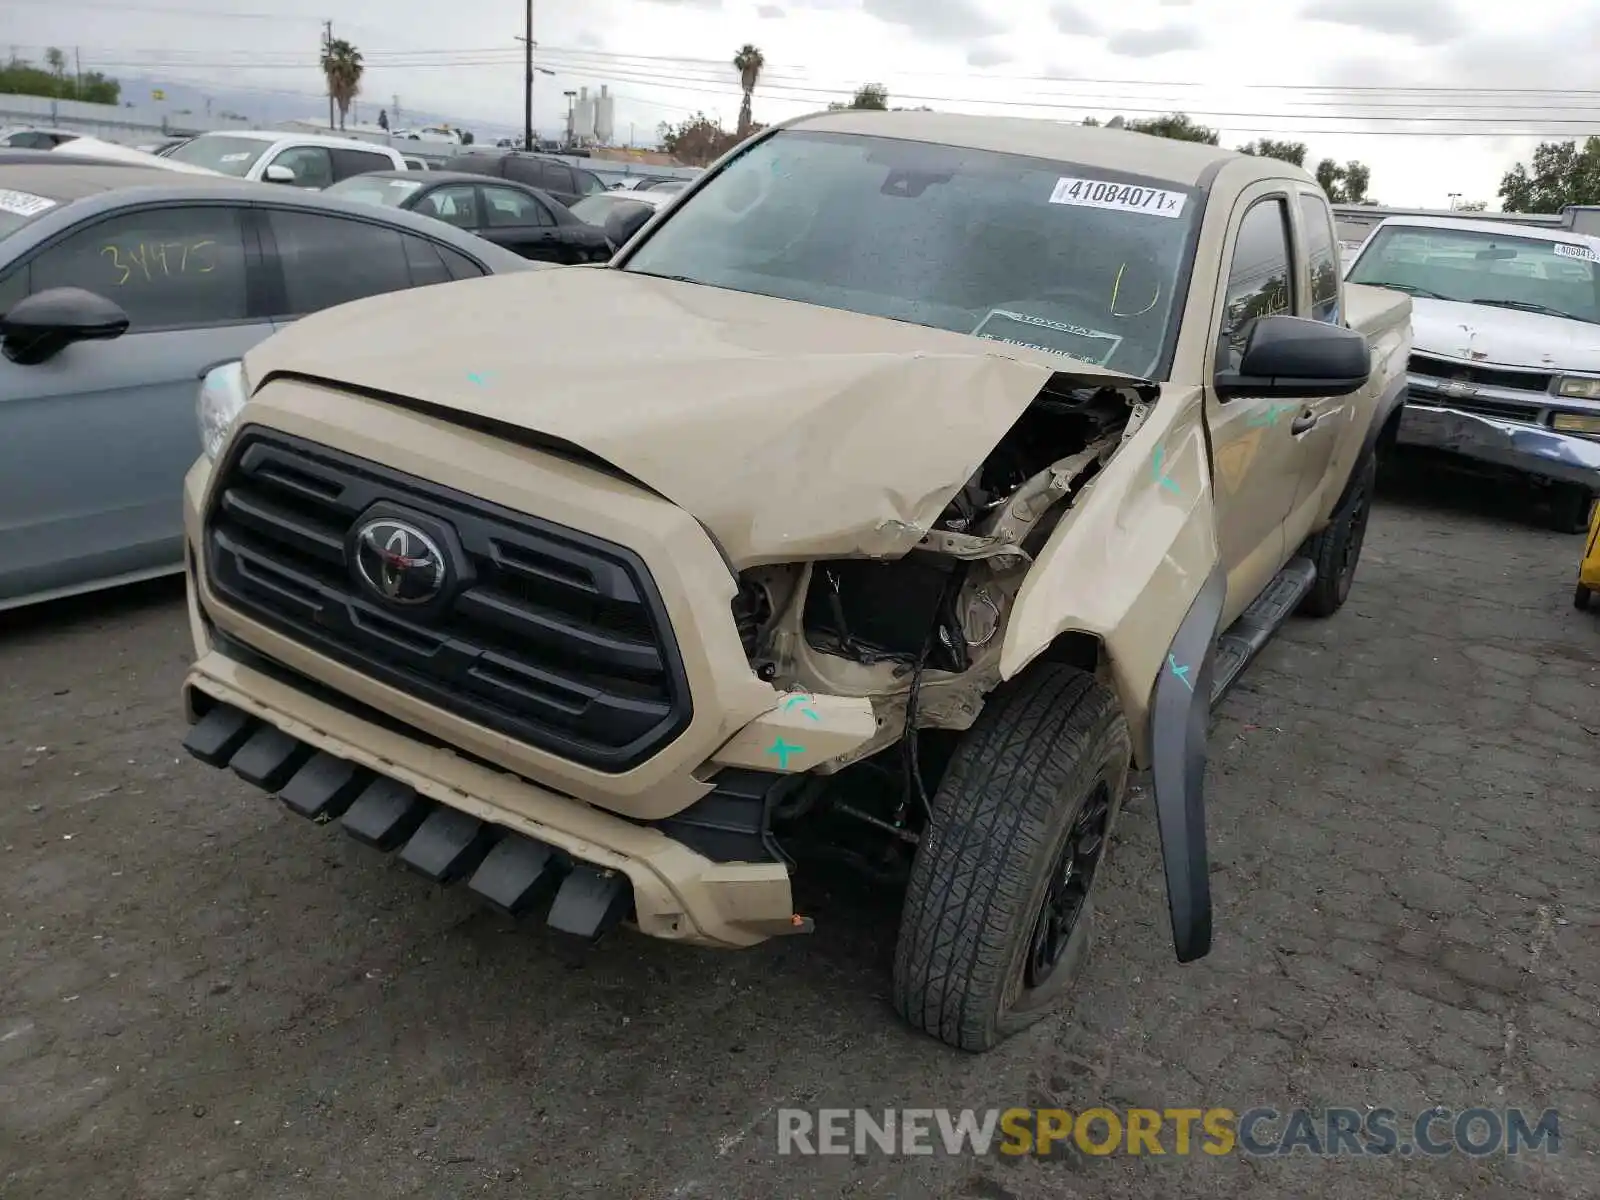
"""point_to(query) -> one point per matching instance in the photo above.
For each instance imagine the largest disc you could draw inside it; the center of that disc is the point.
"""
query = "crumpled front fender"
(1134, 563)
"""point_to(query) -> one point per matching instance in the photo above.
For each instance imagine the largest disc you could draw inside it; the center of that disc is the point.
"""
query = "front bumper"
(1534, 450)
(664, 825)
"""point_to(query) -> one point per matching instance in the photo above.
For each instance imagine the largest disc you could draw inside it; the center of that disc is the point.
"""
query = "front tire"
(1337, 549)
(1570, 507)
(999, 906)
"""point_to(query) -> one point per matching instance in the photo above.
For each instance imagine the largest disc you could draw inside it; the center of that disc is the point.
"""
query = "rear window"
(220, 152)
(595, 210)
(391, 193)
(17, 208)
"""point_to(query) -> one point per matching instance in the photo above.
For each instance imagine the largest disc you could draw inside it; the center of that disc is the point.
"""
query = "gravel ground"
(204, 996)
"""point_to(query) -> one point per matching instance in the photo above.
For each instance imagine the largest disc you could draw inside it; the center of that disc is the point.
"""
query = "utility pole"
(394, 122)
(527, 81)
(77, 65)
(327, 49)
(571, 99)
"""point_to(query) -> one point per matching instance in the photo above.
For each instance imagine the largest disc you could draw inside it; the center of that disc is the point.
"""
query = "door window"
(311, 165)
(428, 261)
(358, 162)
(334, 260)
(588, 183)
(1322, 257)
(1258, 277)
(167, 267)
(456, 204)
(461, 267)
(506, 207)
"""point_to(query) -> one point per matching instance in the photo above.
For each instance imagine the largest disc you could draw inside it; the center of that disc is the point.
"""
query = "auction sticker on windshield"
(1567, 250)
(1124, 197)
(24, 204)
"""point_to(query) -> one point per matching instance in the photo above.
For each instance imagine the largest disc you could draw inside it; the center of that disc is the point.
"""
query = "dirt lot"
(203, 996)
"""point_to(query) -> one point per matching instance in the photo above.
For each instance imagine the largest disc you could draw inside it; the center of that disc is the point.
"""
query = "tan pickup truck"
(887, 499)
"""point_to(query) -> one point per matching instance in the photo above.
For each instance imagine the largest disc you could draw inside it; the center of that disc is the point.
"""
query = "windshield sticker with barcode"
(236, 156)
(1124, 197)
(1055, 337)
(1568, 250)
(24, 204)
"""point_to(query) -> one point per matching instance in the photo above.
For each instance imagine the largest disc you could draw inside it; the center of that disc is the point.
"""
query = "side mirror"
(626, 220)
(277, 173)
(42, 325)
(1297, 358)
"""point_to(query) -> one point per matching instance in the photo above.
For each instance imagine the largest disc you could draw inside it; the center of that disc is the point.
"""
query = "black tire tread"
(992, 820)
(1326, 548)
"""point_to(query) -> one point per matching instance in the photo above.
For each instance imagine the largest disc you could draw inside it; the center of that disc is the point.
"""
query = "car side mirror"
(277, 173)
(40, 326)
(625, 221)
(1296, 358)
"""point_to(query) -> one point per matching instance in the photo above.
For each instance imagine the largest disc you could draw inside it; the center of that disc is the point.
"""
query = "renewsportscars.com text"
(1256, 1132)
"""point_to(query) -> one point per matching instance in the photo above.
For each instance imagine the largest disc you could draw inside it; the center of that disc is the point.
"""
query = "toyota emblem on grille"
(399, 562)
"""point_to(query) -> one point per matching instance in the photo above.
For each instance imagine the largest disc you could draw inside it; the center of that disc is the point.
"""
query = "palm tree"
(748, 62)
(341, 67)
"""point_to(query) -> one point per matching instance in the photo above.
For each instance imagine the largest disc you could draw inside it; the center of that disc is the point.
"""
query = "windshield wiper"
(1408, 289)
(1529, 306)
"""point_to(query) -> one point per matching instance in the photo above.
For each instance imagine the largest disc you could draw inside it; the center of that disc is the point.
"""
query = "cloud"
(1149, 43)
(590, 41)
(1073, 21)
(987, 56)
(935, 20)
(770, 12)
(1429, 22)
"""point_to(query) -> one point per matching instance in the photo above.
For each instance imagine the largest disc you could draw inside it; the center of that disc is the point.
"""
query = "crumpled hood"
(790, 431)
(1504, 336)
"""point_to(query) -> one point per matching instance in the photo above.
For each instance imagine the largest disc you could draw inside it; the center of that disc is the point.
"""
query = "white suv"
(298, 159)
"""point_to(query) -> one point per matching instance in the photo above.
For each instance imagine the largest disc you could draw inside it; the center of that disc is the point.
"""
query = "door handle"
(1306, 420)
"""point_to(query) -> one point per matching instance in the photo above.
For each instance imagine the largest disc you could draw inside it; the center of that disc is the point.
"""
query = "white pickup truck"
(1505, 370)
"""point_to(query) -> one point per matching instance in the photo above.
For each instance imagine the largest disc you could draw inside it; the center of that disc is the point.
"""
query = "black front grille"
(556, 638)
(1444, 368)
(1508, 409)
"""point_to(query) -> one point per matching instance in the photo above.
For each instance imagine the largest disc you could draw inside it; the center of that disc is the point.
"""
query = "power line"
(478, 56)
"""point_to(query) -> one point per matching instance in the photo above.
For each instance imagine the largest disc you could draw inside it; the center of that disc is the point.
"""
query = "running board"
(1244, 639)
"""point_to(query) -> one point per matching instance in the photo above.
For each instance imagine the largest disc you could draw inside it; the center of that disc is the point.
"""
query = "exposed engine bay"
(920, 635)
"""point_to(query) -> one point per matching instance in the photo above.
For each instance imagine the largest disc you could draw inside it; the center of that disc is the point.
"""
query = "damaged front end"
(920, 635)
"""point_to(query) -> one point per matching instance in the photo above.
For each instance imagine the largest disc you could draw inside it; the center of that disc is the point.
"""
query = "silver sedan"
(120, 287)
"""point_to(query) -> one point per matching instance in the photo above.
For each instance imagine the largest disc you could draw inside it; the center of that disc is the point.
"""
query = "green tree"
(1345, 184)
(1560, 174)
(869, 95)
(22, 78)
(342, 68)
(697, 140)
(1178, 126)
(1289, 152)
(748, 62)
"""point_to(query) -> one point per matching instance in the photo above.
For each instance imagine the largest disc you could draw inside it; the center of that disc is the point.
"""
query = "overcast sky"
(1216, 59)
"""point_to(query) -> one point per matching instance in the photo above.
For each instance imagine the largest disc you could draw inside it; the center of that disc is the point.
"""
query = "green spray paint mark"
(1161, 477)
(783, 750)
(799, 698)
(1181, 672)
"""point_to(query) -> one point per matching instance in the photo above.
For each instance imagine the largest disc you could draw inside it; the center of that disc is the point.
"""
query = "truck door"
(1321, 421)
(1256, 459)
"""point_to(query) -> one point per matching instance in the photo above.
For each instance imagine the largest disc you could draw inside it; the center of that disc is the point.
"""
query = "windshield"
(1062, 257)
(366, 189)
(1495, 269)
(18, 208)
(594, 210)
(219, 152)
